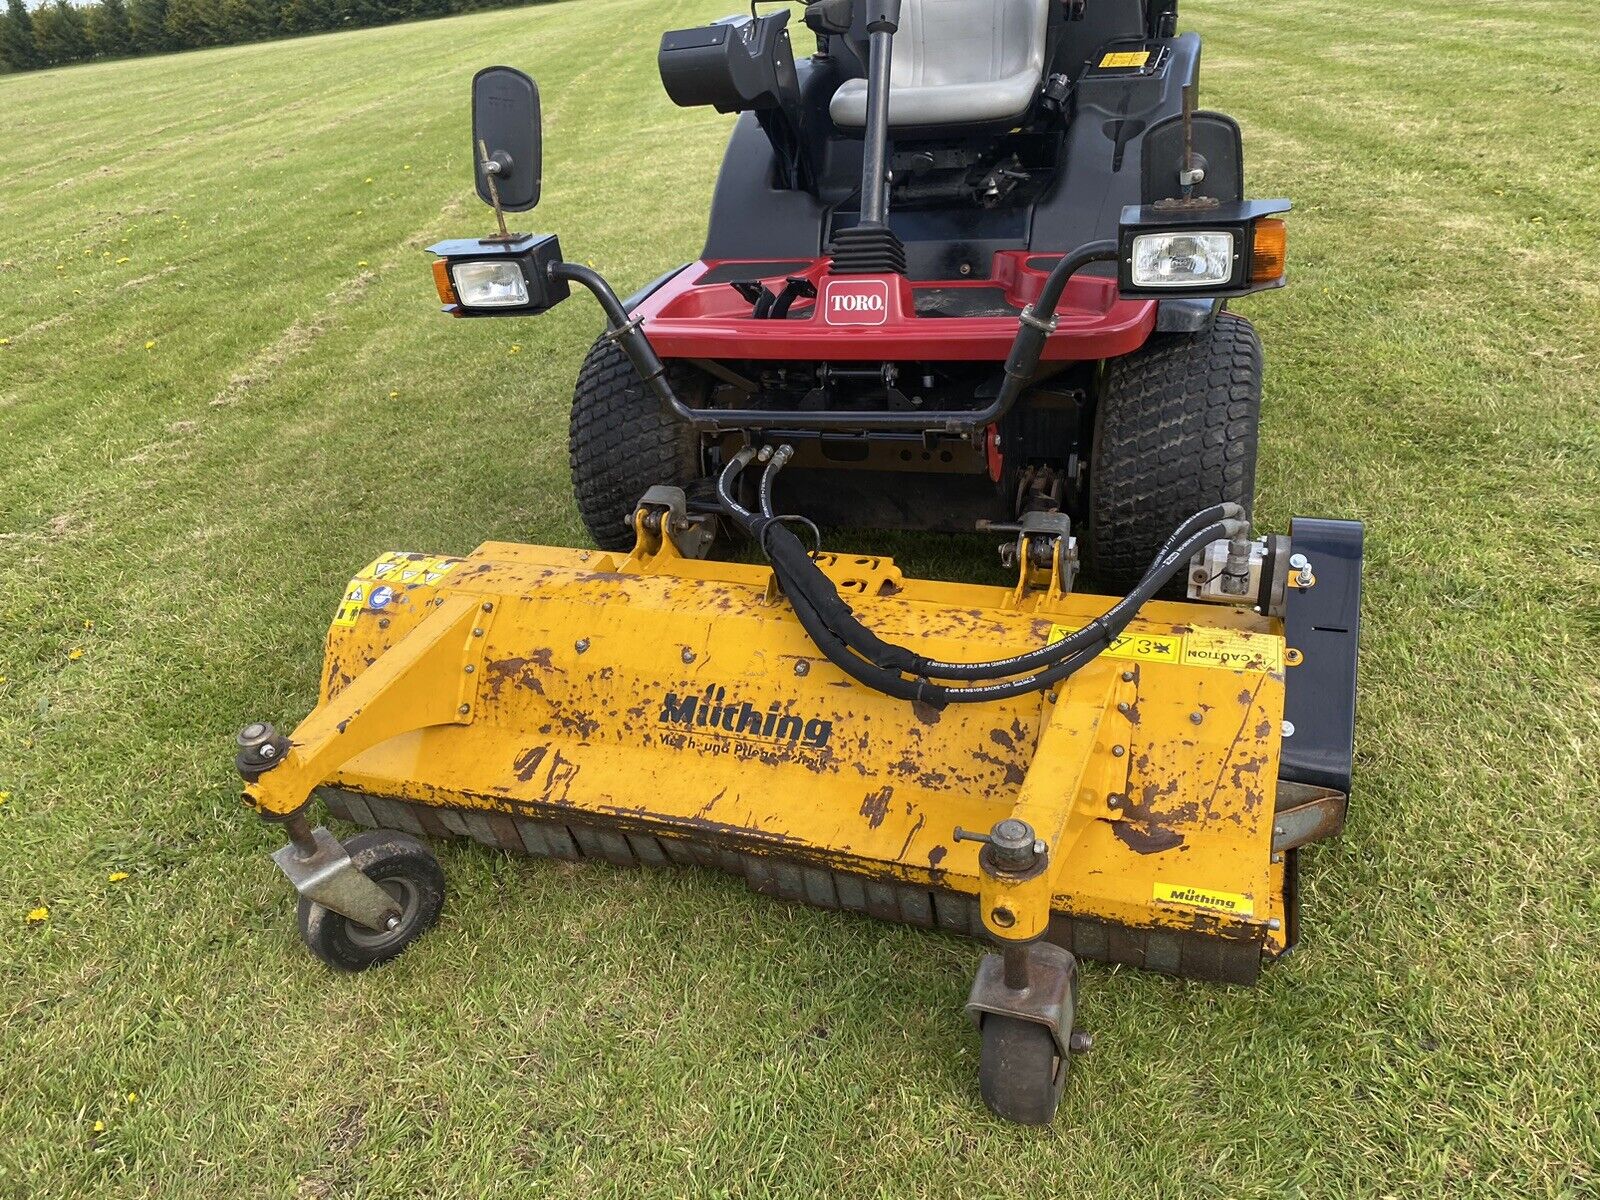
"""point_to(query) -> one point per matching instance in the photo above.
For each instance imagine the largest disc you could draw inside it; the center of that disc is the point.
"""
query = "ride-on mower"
(968, 268)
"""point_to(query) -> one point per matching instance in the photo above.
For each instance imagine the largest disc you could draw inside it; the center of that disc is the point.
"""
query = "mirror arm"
(626, 332)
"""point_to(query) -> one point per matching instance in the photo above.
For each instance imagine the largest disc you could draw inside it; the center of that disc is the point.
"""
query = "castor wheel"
(404, 868)
(1021, 1070)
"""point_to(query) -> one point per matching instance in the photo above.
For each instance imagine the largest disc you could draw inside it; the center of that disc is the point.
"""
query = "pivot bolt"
(1080, 1042)
(392, 923)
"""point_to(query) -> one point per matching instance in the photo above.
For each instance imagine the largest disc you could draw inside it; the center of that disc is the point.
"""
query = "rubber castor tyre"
(1176, 431)
(620, 444)
(404, 868)
(1021, 1070)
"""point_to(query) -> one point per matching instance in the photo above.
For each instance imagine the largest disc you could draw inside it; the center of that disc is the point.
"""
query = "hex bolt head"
(464, 709)
(1118, 751)
(1080, 1042)
(469, 668)
(1274, 923)
(1127, 677)
(581, 645)
(802, 667)
(1124, 707)
(688, 655)
(1196, 717)
(477, 633)
(487, 607)
(1114, 800)
(1299, 561)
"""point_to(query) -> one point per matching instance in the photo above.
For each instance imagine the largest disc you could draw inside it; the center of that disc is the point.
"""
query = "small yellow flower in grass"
(37, 916)
(516, 349)
(99, 1127)
(5, 341)
(116, 877)
(362, 263)
(394, 395)
(407, 167)
(4, 796)
(61, 266)
(150, 345)
(369, 179)
(122, 260)
(88, 625)
(74, 654)
(133, 1097)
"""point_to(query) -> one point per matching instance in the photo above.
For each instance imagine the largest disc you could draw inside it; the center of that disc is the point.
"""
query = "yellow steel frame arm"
(1059, 799)
(429, 677)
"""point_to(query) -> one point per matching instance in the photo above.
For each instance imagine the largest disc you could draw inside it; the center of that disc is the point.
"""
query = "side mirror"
(506, 140)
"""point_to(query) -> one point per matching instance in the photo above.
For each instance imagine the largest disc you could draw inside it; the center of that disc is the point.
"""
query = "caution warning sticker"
(1125, 58)
(355, 599)
(1234, 903)
(1231, 650)
(397, 568)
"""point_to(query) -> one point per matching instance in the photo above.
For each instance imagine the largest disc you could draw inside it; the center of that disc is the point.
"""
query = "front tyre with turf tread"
(1021, 1070)
(621, 443)
(1176, 430)
(404, 868)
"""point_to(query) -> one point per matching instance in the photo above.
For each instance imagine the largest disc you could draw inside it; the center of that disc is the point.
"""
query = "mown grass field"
(224, 386)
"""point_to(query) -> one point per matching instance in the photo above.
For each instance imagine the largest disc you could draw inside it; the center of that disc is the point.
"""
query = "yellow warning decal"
(1228, 649)
(1125, 58)
(1233, 650)
(1137, 647)
(355, 599)
(1235, 903)
(397, 568)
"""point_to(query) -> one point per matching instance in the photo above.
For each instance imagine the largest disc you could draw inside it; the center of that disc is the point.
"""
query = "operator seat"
(957, 62)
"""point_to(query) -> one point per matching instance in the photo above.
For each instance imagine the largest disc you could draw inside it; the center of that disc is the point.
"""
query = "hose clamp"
(1028, 318)
(626, 329)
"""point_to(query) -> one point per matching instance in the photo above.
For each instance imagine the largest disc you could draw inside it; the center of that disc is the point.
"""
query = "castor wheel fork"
(322, 871)
(314, 861)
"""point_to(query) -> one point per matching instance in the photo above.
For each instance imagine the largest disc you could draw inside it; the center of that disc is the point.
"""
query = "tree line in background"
(58, 32)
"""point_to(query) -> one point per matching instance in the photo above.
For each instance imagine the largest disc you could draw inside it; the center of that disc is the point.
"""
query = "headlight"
(1182, 260)
(490, 284)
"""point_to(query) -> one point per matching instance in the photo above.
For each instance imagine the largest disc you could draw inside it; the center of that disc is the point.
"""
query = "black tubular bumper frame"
(1033, 328)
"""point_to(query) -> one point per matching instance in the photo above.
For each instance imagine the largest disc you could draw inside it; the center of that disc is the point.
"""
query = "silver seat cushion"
(957, 62)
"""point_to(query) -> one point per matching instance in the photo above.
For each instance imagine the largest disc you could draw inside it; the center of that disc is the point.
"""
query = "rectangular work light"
(1208, 250)
(494, 278)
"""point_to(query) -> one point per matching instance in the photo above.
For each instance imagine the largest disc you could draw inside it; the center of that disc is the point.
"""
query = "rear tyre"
(401, 866)
(1021, 1070)
(620, 443)
(1176, 431)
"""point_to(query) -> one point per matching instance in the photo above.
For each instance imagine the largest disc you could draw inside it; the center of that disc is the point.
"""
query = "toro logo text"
(856, 302)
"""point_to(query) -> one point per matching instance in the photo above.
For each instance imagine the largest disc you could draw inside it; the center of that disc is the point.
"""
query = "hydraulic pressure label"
(1234, 903)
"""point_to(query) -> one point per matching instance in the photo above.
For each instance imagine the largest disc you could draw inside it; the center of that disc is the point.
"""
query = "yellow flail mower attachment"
(1130, 785)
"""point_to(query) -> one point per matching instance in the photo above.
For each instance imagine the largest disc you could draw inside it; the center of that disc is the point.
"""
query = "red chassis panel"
(876, 317)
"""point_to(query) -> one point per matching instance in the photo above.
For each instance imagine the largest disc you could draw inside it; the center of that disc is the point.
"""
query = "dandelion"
(75, 654)
(88, 625)
(61, 266)
(362, 263)
(99, 1127)
(133, 1097)
(394, 395)
(37, 916)
(122, 260)
(4, 796)
(116, 877)
(516, 349)
(407, 167)
(369, 179)
(5, 341)
(150, 345)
